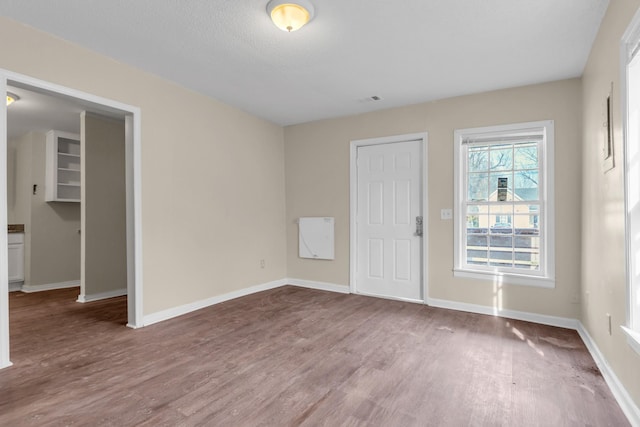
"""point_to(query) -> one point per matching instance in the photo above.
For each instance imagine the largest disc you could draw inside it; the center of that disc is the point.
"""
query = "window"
(504, 203)
(631, 116)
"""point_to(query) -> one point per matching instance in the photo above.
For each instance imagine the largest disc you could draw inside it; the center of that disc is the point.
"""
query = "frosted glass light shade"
(11, 98)
(290, 15)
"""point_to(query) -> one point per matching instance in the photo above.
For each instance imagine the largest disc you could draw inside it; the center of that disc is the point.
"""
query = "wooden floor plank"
(294, 356)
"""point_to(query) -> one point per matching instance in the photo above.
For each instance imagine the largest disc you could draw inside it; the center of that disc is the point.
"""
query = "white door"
(389, 247)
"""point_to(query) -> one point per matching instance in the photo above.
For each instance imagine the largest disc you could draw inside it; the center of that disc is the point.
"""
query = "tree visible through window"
(501, 199)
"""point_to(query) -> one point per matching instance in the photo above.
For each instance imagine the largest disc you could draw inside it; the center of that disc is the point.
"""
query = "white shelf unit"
(63, 167)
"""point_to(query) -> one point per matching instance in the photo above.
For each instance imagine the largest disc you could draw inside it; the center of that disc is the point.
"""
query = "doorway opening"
(132, 150)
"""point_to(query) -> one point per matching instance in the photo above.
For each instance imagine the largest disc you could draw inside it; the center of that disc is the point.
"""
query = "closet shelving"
(63, 167)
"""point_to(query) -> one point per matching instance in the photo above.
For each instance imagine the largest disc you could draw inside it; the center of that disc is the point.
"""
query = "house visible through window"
(503, 206)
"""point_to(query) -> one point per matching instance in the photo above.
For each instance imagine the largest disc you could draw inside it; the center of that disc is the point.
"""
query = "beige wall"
(12, 178)
(103, 207)
(603, 234)
(52, 242)
(213, 199)
(317, 179)
(55, 242)
(19, 154)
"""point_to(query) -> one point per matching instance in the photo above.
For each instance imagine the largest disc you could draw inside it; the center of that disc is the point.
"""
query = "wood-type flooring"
(294, 356)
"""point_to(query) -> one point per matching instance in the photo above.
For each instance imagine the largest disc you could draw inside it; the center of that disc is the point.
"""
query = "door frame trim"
(423, 137)
(133, 152)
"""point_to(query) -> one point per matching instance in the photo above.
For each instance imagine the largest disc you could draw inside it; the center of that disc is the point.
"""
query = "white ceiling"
(405, 51)
(40, 113)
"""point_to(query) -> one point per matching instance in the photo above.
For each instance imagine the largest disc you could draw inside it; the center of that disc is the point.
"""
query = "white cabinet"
(16, 257)
(62, 173)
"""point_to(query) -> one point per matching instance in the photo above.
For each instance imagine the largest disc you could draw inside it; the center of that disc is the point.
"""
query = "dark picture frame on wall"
(608, 162)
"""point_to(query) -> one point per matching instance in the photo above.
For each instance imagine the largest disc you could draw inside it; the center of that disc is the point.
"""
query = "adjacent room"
(320, 213)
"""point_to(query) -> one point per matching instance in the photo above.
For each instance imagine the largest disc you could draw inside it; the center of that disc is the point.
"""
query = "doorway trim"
(423, 137)
(133, 151)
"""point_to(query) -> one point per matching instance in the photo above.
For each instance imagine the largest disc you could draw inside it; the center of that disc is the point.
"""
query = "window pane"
(477, 250)
(527, 242)
(478, 187)
(501, 157)
(501, 251)
(526, 156)
(473, 224)
(478, 159)
(526, 225)
(501, 258)
(500, 187)
(501, 242)
(527, 253)
(501, 219)
(477, 219)
(526, 185)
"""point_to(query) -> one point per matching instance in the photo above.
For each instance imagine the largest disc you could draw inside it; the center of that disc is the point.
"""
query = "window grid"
(501, 243)
(503, 232)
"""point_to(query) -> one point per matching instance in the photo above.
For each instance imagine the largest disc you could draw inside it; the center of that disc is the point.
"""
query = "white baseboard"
(170, 313)
(561, 322)
(390, 298)
(322, 286)
(15, 286)
(160, 316)
(618, 390)
(50, 286)
(103, 295)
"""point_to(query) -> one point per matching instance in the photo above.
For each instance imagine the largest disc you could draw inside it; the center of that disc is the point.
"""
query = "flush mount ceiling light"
(290, 15)
(11, 98)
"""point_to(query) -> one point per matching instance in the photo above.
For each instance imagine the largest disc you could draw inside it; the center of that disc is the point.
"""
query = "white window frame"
(545, 277)
(629, 51)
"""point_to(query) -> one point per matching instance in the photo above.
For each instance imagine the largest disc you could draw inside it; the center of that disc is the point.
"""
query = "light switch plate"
(446, 213)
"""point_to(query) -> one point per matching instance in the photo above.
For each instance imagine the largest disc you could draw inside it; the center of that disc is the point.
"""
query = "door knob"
(419, 226)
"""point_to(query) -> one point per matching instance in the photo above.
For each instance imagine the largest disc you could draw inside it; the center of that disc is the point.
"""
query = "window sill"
(506, 278)
(633, 338)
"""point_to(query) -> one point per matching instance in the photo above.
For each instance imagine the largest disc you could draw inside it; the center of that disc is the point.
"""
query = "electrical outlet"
(446, 213)
(262, 263)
